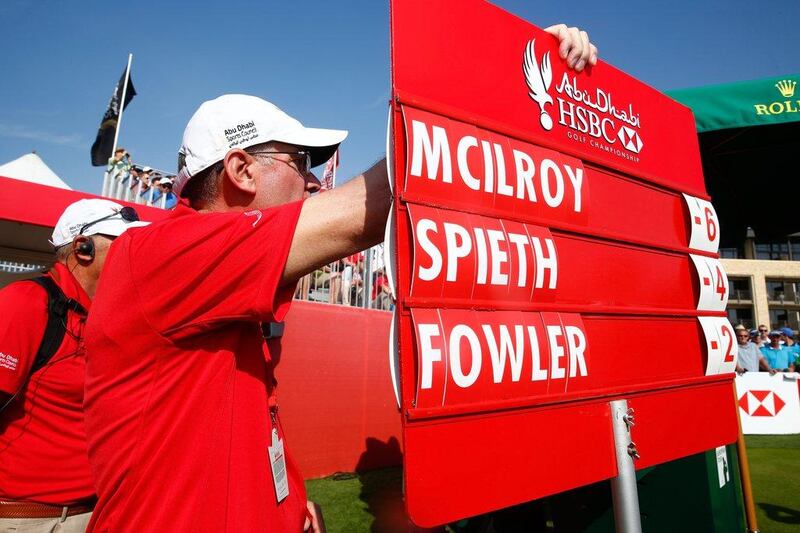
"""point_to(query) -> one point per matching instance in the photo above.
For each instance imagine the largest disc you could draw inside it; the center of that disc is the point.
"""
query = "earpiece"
(86, 248)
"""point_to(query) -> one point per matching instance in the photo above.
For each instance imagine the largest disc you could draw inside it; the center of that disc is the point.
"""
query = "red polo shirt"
(42, 438)
(179, 379)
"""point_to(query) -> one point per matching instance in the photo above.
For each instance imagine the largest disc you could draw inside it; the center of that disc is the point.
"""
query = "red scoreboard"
(555, 250)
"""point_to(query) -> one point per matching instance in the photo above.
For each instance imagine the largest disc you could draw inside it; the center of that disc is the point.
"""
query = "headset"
(86, 247)
(127, 214)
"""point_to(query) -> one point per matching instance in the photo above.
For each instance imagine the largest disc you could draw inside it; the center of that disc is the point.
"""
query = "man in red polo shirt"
(182, 412)
(45, 483)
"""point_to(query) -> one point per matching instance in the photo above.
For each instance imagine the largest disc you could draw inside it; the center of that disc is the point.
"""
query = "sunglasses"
(301, 159)
(127, 214)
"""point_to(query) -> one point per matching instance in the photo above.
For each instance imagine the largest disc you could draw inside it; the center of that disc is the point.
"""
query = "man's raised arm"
(340, 222)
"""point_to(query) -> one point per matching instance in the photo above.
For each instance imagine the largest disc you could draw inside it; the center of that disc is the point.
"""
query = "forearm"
(340, 222)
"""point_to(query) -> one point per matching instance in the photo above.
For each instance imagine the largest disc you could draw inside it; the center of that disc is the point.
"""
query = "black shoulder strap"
(58, 306)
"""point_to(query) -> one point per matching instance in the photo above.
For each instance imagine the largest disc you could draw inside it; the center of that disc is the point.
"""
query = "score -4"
(713, 283)
(704, 225)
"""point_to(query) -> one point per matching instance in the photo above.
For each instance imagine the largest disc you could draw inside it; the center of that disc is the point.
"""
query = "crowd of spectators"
(765, 350)
(137, 184)
(344, 282)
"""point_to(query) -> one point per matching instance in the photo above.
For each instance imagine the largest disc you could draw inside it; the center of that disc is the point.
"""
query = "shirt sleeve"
(212, 268)
(23, 318)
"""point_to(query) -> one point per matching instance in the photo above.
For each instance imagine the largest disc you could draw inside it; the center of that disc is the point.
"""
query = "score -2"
(713, 283)
(704, 225)
(722, 349)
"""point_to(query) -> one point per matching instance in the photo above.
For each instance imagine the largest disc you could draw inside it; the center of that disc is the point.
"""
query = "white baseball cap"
(238, 121)
(91, 217)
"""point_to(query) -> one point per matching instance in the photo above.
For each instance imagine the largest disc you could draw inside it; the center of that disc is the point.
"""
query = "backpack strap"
(58, 305)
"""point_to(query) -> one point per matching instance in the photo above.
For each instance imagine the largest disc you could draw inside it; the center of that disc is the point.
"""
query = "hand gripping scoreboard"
(555, 250)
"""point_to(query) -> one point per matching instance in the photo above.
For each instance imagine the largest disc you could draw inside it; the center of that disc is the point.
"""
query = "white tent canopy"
(31, 168)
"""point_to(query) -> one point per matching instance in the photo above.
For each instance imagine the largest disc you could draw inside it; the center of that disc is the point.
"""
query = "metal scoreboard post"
(555, 251)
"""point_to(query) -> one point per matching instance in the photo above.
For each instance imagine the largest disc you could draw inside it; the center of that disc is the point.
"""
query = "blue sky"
(325, 62)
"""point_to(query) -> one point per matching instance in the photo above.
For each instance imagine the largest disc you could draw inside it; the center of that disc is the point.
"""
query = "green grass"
(775, 472)
(373, 501)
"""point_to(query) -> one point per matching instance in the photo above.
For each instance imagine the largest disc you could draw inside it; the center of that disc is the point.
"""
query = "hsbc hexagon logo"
(630, 139)
(761, 403)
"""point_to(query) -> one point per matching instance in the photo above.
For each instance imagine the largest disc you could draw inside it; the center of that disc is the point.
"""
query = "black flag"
(104, 143)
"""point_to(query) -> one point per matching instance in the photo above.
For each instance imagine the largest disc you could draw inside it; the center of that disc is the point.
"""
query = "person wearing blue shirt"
(780, 358)
(155, 191)
(165, 187)
(787, 338)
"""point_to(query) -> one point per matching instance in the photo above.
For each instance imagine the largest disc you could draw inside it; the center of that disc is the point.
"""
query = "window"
(780, 318)
(773, 251)
(740, 289)
(776, 290)
(741, 315)
(784, 291)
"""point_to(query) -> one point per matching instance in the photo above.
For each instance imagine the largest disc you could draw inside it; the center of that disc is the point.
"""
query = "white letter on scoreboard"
(576, 177)
(514, 351)
(521, 241)
(525, 171)
(429, 353)
(498, 256)
(576, 343)
(549, 263)
(482, 259)
(434, 152)
(556, 352)
(553, 199)
(488, 167)
(461, 379)
(539, 373)
(463, 165)
(432, 272)
(453, 233)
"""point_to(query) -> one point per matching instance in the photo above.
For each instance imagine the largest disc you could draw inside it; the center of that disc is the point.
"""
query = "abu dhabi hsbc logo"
(592, 118)
(761, 403)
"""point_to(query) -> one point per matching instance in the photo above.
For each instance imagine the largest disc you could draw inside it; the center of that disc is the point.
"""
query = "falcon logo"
(539, 79)
(761, 403)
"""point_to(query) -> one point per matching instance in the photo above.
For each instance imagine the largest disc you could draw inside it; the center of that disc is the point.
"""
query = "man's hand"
(315, 524)
(574, 46)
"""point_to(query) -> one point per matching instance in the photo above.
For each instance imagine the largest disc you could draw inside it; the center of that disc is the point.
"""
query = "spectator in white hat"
(181, 410)
(45, 482)
(167, 198)
(145, 178)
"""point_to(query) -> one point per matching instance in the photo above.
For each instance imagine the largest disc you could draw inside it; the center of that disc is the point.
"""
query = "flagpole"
(122, 103)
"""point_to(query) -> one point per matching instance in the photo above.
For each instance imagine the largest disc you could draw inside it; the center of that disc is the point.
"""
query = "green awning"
(747, 103)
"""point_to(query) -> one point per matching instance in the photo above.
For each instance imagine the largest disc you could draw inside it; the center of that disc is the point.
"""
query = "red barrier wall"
(335, 392)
